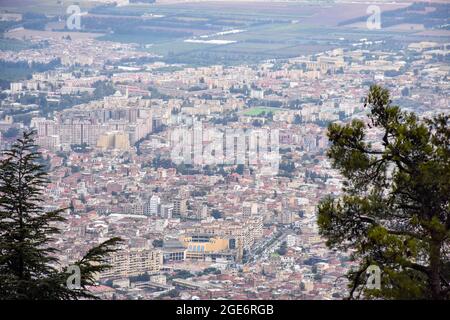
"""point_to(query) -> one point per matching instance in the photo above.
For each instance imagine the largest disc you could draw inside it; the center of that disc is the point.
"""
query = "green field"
(274, 30)
(254, 112)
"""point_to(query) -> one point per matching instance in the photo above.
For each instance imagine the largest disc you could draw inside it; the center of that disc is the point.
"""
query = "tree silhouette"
(29, 268)
(395, 209)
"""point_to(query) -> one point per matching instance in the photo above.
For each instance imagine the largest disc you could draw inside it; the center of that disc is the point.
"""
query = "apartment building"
(133, 262)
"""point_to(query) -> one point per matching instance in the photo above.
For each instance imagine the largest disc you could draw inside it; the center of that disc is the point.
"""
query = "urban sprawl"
(201, 216)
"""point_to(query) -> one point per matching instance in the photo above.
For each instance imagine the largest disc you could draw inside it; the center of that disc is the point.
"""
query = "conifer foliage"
(29, 268)
(395, 210)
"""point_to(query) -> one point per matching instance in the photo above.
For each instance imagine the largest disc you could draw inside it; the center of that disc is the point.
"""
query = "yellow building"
(201, 246)
(114, 140)
(238, 235)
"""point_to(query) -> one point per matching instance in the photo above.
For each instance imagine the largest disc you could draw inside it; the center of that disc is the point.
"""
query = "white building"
(16, 87)
(154, 205)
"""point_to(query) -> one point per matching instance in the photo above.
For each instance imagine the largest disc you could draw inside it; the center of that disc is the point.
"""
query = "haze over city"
(198, 133)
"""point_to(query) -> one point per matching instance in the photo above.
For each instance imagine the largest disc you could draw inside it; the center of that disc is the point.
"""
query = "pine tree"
(395, 211)
(29, 268)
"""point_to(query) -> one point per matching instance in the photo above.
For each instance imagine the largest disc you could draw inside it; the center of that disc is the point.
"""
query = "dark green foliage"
(208, 271)
(287, 168)
(174, 293)
(216, 214)
(80, 148)
(28, 266)
(103, 89)
(140, 278)
(158, 243)
(183, 274)
(395, 210)
(282, 250)
(240, 169)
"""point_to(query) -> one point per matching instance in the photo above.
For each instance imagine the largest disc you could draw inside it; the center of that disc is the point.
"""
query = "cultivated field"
(201, 33)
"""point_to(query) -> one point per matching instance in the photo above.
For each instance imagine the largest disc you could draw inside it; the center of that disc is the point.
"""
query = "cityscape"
(198, 132)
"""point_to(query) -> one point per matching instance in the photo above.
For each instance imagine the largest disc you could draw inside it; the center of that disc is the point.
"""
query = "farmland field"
(259, 110)
(203, 33)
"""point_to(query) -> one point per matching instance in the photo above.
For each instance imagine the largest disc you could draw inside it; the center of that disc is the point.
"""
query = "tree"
(282, 250)
(174, 293)
(302, 286)
(216, 214)
(183, 274)
(240, 169)
(158, 243)
(28, 265)
(395, 209)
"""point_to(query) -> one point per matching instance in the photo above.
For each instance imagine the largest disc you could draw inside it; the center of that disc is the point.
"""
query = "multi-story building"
(180, 207)
(249, 209)
(155, 205)
(166, 211)
(202, 246)
(99, 124)
(133, 262)
(226, 239)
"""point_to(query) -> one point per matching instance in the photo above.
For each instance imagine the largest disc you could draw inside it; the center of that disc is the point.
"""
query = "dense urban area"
(211, 173)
